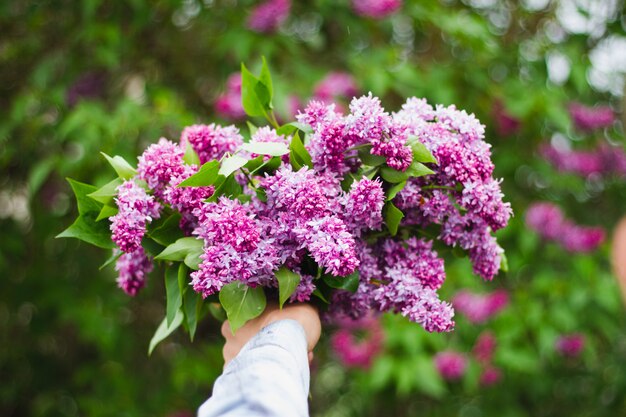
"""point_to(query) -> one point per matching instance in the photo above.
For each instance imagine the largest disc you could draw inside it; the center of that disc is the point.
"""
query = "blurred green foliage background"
(79, 77)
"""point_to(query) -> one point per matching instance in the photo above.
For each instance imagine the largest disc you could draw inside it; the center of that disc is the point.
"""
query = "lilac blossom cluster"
(591, 118)
(451, 365)
(549, 221)
(570, 345)
(604, 160)
(356, 343)
(327, 222)
(478, 308)
(228, 104)
(376, 9)
(269, 15)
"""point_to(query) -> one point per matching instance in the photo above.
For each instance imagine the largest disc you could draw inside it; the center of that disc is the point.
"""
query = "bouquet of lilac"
(347, 209)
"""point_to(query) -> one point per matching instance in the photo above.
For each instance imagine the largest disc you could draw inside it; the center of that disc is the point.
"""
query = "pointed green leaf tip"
(121, 166)
(242, 303)
(287, 283)
(165, 330)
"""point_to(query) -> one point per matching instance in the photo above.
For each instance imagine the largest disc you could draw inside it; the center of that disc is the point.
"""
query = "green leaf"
(192, 305)
(250, 101)
(115, 255)
(191, 156)
(167, 231)
(421, 153)
(228, 187)
(349, 283)
(81, 192)
(368, 159)
(232, 164)
(193, 261)
(173, 294)
(299, 153)
(418, 169)
(206, 175)
(252, 128)
(86, 227)
(266, 148)
(319, 295)
(394, 190)
(266, 80)
(178, 250)
(287, 283)
(300, 126)
(242, 303)
(504, 263)
(106, 193)
(165, 330)
(430, 381)
(121, 166)
(393, 175)
(106, 212)
(393, 216)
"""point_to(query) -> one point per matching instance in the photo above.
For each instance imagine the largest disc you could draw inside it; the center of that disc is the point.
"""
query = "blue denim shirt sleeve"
(269, 377)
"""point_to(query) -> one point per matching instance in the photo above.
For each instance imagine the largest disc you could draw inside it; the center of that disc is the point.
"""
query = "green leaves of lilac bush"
(86, 227)
(241, 303)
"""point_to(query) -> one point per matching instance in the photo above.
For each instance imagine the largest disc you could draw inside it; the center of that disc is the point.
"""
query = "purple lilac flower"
(304, 289)
(356, 352)
(330, 244)
(506, 124)
(604, 160)
(591, 118)
(132, 268)
(411, 276)
(484, 347)
(570, 345)
(233, 248)
(268, 16)
(478, 308)
(228, 104)
(211, 141)
(450, 365)
(159, 162)
(186, 199)
(317, 114)
(581, 239)
(136, 210)
(548, 220)
(363, 206)
(376, 9)
(490, 376)
(89, 85)
(296, 192)
(336, 84)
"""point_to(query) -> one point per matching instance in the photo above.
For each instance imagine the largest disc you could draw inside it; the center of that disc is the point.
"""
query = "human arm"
(266, 370)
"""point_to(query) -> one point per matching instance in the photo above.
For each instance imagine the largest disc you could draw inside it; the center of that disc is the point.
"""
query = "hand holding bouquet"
(350, 209)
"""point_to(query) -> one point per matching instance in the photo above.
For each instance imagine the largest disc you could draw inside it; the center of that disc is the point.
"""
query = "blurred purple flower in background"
(484, 347)
(376, 9)
(336, 84)
(549, 222)
(268, 16)
(451, 365)
(89, 85)
(228, 104)
(478, 308)
(353, 351)
(506, 124)
(591, 118)
(570, 345)
(490, 376)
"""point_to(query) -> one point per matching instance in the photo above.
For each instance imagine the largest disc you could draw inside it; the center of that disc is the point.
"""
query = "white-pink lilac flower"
(159, 162)
(135, 210)
(132, 268)
(211, 141)
(363, 206)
